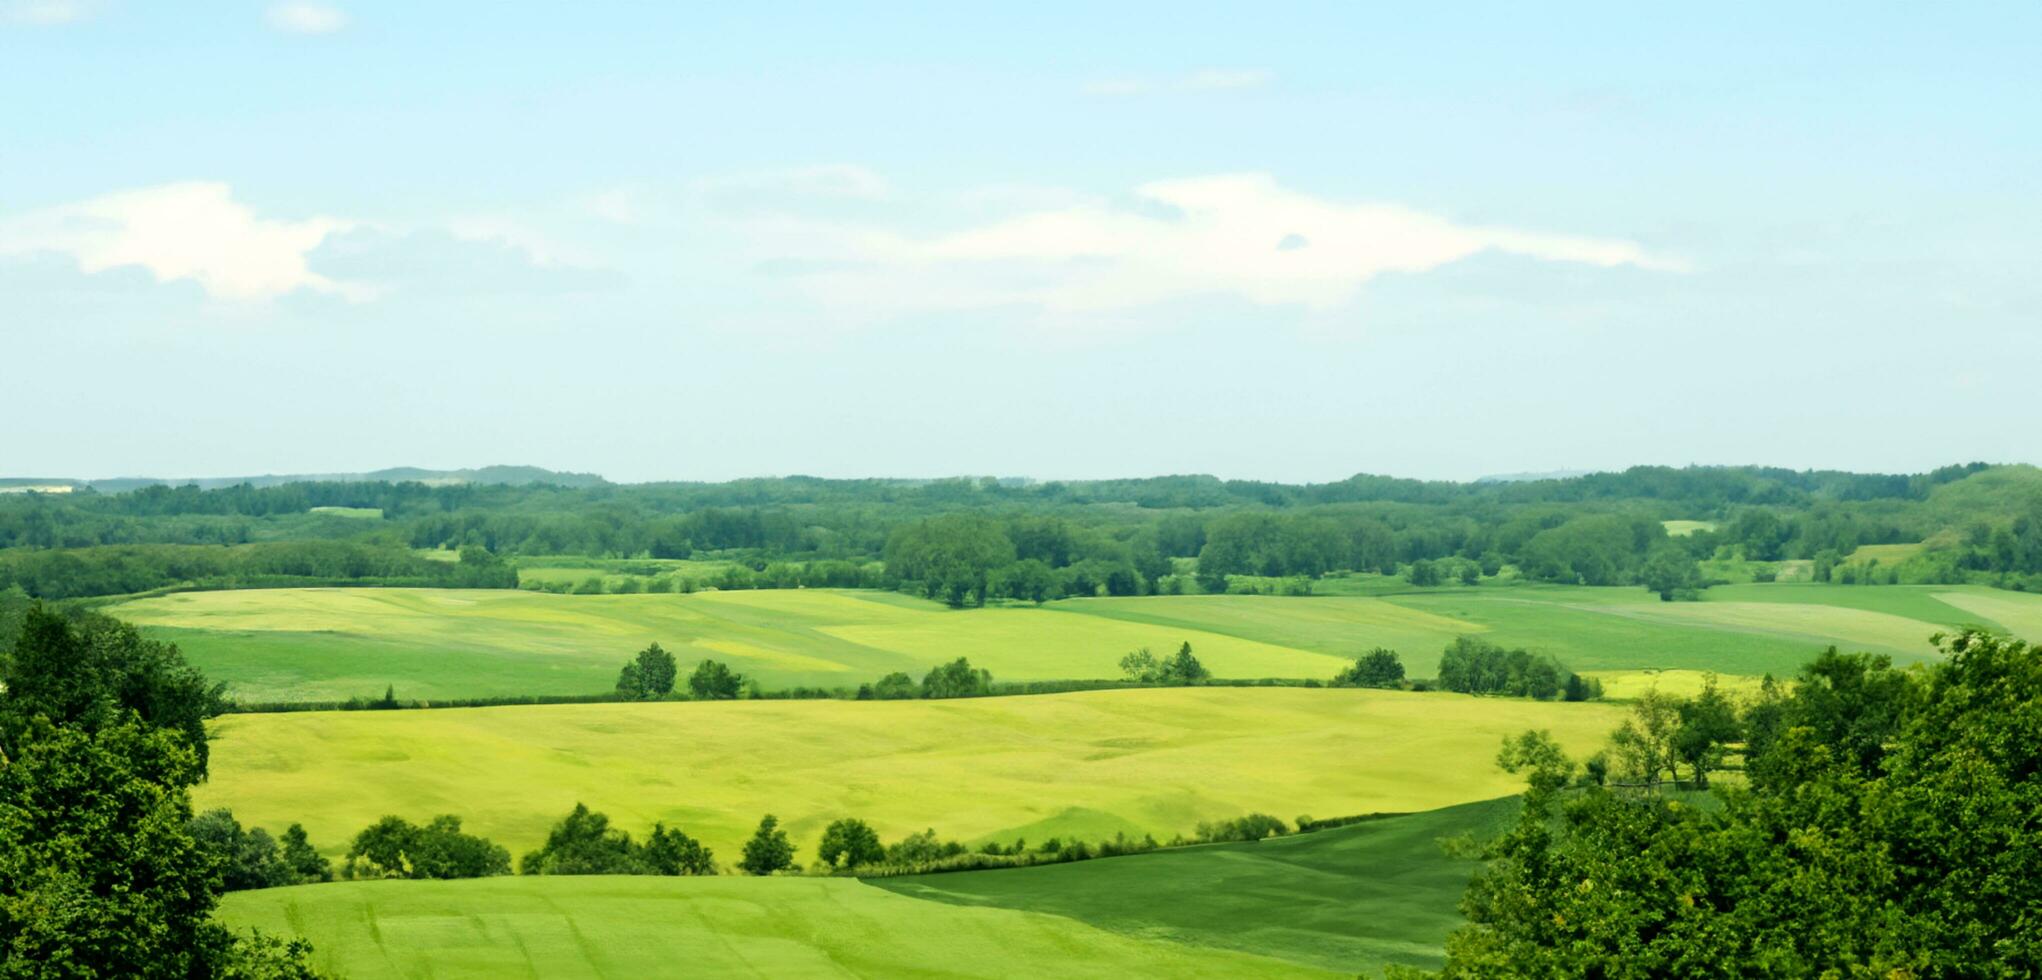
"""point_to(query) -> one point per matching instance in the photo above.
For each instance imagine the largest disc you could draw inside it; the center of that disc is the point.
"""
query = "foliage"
(957, 679)
(1476, 666)
(93, 672)
(1177, 670)
(714, 681)
(848, 843)
(395, 848)
(1889, 830)
(1379, 667)
(769, 850)
(650, 676)
(100, 871)
(584, 843)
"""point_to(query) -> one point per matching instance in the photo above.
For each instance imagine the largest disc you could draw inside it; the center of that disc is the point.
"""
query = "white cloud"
(1241, 235)
(43, 11)
(189, 231)
(1203, 80)
(305, 18)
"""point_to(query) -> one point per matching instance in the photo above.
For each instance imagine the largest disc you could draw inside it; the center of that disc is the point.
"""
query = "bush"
(394, 848)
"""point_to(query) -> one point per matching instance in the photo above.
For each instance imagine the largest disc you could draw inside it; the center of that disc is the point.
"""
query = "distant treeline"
(969, 540)
(126, 569)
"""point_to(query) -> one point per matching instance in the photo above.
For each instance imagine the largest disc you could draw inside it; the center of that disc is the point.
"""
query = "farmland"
(1341, 900)
(1147, 761)
(624, 927)
(329, 644)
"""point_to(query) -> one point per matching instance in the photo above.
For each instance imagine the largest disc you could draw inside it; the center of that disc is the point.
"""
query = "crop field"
(1346, 900)
(1351, 898)
(326, 644)
(626, 928)
(1140, 761)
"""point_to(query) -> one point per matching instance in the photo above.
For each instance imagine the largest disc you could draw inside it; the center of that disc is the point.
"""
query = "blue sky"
(1271, 240)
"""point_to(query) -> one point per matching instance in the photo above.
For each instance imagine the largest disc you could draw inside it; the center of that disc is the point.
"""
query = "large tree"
(1892, 828)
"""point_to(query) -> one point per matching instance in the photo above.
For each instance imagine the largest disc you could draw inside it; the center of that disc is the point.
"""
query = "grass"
(1086, 765)
(317, 644)
(331, 644)
(626, 927)
(1885, 554)
(1681, 529)
(1350, 899)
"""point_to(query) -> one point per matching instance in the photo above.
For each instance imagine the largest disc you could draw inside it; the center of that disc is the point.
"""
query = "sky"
(1272, 241)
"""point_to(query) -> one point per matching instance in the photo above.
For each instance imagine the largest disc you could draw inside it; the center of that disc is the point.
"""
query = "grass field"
(323, 644)
(627, 928)
(1681, 529)
(1350, 899)
(1345, 900)
(1087, 765)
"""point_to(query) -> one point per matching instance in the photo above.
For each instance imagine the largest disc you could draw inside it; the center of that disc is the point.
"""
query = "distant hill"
(512, 475)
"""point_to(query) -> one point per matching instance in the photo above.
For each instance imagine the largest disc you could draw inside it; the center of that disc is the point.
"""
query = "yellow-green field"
(1681, 529)
(1088, 764)
(331, 644)
(1885, 554)
(628, 928)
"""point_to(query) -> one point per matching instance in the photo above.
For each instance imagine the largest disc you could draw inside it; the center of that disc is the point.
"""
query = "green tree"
(848, 843)
(714, 681)
(1671, 572)
(307, 865)
(1424, 574)
(395, 848)
(1379, 667)
(1921, 864)
(657, 670)
(957, 679)
(671, 852)
(769, 850)
(1141, 666)
(1183, 668)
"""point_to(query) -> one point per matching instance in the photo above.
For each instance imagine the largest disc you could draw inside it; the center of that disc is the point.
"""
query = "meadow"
(627, 928)
(1343, 900)
(1348, 898)
(1086, 765)
(332, 644)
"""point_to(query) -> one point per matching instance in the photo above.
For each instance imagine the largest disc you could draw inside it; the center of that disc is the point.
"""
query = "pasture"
(627, 928)
(331, 644)
(1084, 765)
(1350, 898)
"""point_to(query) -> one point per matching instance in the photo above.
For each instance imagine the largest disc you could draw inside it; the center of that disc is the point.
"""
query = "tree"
(98, 866)
(583, 843)
(952, 556)
(93, 673)
(1141, 666)
(1424, 574)
(649, 676)
(768, 850)
(1922, 865)
(1708, 725)
(306, 863)
(1183, 668)
(848, 843)
(657, 669)
(713, 681)
(1671, 572)
(957, 679)
(671, 852)
(395, 848)
(245, 858)
(1379, 667)
(1028, 579)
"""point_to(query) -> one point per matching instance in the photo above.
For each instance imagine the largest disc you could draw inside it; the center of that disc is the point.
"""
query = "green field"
(1347, 900)
(327, 644)
(627, 928)
(1087, 765)
(1681, 529)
